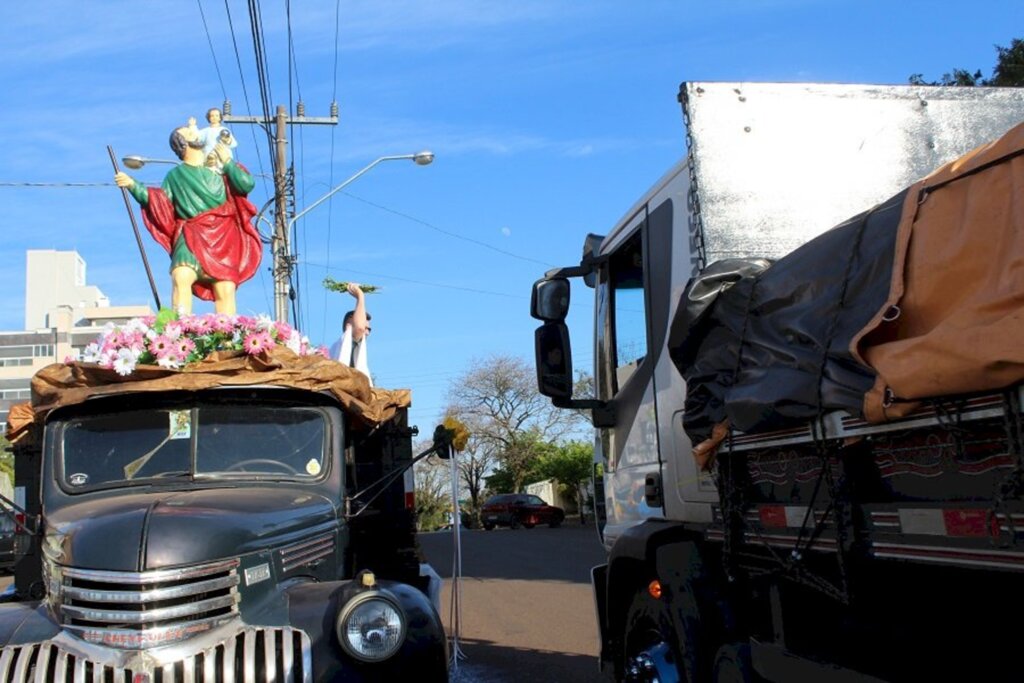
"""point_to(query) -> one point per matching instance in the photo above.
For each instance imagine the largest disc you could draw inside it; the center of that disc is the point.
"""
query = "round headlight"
(371, 628)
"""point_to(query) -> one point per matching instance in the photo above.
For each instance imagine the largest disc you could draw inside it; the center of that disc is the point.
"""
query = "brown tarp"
(61, 384)
(954, 319)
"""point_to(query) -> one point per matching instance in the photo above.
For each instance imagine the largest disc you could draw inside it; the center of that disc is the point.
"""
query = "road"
(527, 609)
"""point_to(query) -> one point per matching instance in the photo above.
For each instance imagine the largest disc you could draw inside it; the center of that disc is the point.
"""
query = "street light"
(424, 158)
(281, 249)
(135, 162)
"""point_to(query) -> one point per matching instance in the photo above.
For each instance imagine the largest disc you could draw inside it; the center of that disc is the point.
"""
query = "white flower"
(172, 331)
(264, 322)
(124, 366)
(294, 342)
(151, 334)
(169, 362)
(91, 353)
(136, 325)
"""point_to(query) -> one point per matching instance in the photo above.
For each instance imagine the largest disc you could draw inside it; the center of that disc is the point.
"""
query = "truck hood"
(158, 530)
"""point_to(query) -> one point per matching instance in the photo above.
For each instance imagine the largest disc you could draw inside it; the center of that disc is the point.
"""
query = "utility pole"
(280, 244)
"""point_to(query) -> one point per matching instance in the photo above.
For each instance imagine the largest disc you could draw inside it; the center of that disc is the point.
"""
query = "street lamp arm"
(422, 158)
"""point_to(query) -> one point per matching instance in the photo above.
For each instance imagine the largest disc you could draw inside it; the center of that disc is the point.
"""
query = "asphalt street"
(527, 609)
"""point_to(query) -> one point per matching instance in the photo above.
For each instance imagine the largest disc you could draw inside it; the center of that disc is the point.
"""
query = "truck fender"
(314, 608)
(655, 549)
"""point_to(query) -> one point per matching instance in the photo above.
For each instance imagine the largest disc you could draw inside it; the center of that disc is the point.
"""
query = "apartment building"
(62, 314)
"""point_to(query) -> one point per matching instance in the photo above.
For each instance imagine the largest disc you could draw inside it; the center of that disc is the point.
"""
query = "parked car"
(519, 509)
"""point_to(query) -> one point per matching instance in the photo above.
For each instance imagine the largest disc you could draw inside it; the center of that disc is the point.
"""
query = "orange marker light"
(654, 588)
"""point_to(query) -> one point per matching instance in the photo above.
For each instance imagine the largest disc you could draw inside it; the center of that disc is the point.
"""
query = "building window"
(23, 355)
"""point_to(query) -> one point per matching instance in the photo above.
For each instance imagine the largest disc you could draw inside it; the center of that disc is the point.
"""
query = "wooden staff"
(135, 227)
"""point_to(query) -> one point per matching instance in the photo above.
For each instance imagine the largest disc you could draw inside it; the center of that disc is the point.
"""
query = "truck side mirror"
(550, 300)
(554, 360)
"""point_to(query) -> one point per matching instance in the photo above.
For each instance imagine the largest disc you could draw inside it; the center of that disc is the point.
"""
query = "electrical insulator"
(227, 107)
(300, 109)
(334, 110)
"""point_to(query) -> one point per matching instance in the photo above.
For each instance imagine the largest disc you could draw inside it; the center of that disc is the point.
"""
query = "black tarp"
(773, 347)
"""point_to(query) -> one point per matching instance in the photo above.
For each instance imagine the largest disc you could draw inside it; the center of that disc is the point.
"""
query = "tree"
(474, 461)
(433, 497)
(498, 401)
(1008, 71)
(571, 464)
(6, 458)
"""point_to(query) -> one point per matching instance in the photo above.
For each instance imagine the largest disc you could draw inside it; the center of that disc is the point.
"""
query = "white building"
(62, 314)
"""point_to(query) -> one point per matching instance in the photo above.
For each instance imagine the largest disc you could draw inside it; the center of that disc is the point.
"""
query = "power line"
(449, 233)
(212, 53)
(245, 91)
(334, 98)
(23, 184)
(259, 48)
(415, 282)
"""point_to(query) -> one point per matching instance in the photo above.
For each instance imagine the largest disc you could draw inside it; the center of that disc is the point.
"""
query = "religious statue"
(201, 216)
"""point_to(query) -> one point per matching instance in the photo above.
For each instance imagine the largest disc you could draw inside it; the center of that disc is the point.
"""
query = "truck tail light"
(410, 500)
(19, 522)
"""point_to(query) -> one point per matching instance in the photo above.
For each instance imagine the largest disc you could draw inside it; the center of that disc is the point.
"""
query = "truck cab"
(217, 534)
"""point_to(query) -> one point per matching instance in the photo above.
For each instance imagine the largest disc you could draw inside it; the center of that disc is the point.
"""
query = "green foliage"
(1008, 71)
(500, 481)
(333, 285)
(570, 464)
(6, 458)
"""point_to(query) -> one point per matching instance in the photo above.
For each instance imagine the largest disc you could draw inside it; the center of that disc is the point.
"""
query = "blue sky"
(548, 118)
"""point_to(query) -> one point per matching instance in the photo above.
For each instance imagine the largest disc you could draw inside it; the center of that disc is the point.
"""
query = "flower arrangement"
(173, 341)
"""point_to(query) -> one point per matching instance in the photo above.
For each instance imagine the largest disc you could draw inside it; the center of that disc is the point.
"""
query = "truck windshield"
(201, 442)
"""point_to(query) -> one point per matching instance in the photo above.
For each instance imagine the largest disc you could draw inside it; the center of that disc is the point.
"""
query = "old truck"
(809, 440)
(241, 521)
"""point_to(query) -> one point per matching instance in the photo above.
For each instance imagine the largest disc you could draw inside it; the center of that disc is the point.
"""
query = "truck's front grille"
(138, 610)
(274, 655)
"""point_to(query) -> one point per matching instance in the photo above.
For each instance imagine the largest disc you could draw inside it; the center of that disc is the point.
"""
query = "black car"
(519, 509)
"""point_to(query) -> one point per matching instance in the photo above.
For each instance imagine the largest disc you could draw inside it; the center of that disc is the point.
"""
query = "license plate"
(491, 518)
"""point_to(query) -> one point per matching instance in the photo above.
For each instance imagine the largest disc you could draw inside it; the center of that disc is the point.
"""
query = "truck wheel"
(733, 665)
(488, 526)
(649, 643)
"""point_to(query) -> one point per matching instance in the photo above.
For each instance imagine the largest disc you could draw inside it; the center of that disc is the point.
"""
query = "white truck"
(773, 510)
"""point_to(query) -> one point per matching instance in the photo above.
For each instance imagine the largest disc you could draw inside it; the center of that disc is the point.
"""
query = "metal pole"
(282, 253)
(135, 227)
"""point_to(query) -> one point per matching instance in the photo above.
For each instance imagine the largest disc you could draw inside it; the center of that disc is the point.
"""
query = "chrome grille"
(307, 553)
(137, 610)
(274, 655)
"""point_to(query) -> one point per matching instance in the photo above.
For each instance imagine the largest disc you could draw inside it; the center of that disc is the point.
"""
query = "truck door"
(625, 376)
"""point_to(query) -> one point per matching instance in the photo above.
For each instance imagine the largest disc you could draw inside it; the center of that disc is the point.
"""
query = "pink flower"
(133, 340)
(222, 322)
(161, 346)
(257, 342)
(173, 330)
(283, 330)
(201, 325)
(184, 346)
